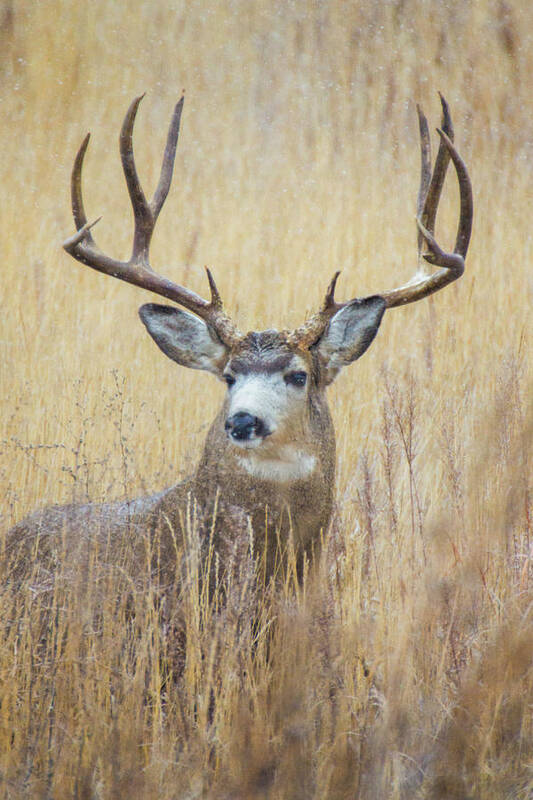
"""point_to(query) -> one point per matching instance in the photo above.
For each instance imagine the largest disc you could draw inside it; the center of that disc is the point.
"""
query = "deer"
(268, 461)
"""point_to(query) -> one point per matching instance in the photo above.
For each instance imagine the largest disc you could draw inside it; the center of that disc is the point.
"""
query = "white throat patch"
(292, 464)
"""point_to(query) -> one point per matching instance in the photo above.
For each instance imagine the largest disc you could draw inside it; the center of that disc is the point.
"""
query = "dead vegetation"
(402, 666)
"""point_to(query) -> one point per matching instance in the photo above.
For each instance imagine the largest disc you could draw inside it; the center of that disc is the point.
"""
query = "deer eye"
(296, 378)
(230, 380)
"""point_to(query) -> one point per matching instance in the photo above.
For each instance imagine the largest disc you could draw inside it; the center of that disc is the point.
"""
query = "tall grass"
(402, 666)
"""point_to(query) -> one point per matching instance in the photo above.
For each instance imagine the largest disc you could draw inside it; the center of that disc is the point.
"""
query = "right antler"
(451, 264)
(138, 270)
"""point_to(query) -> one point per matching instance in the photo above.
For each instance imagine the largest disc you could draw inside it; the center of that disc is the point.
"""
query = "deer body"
(268, 464)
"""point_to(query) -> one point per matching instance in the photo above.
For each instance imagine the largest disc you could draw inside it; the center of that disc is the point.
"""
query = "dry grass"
(407, 670)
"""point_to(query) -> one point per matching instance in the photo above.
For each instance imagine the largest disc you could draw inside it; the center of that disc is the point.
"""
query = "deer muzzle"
(244, 427)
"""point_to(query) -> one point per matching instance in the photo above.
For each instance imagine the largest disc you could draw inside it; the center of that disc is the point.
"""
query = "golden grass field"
(407, 670)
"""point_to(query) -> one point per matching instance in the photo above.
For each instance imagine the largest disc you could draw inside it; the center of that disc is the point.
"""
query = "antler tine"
(428, 213)
(78, 211)
(144, 222)
(425, 160)
(466, 216)
(307, 334)
(146, 214)
(167, 167)
(138, 270)
(425, 168)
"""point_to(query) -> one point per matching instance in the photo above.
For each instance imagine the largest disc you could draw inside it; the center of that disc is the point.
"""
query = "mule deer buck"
(269, 456)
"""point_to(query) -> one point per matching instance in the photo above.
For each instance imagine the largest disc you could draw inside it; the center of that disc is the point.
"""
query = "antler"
(451, 264)
(138, 270)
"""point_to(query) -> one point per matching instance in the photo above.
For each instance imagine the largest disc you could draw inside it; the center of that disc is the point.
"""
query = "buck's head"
(272, 378)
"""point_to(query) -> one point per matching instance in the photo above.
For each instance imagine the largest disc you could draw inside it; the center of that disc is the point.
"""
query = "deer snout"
(243, 426)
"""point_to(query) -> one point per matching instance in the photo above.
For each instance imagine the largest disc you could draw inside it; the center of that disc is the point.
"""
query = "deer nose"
(243, 426)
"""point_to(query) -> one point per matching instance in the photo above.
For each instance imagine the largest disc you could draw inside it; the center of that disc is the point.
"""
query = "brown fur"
(226, 498)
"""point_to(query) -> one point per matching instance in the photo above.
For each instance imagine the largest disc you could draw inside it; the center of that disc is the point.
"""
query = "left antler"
(138, 270)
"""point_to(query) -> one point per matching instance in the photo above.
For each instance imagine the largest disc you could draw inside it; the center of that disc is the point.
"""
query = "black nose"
(243, 426)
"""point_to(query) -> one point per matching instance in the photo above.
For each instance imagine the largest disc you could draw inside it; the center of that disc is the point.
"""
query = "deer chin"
(291, 463)
(247, 444)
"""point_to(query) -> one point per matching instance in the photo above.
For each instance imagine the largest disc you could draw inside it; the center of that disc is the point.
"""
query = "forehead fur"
(265, 351)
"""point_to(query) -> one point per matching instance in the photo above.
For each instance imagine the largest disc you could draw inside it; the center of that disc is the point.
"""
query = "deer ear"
(349, 334)
(184, 338)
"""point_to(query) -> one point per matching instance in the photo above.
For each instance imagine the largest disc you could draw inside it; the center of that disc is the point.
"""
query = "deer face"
(269, 384)
(272, 383)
